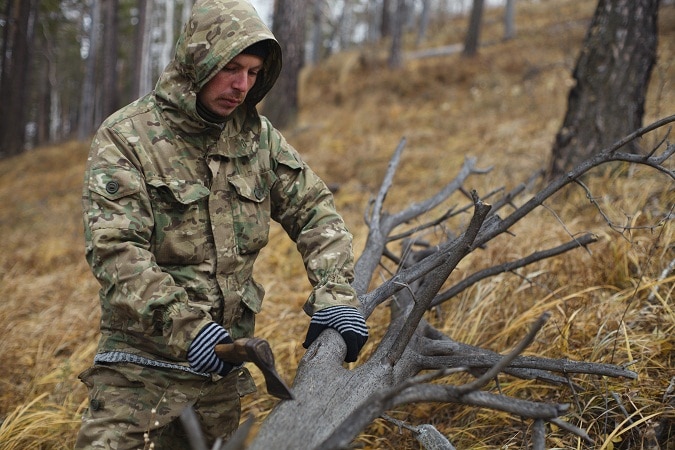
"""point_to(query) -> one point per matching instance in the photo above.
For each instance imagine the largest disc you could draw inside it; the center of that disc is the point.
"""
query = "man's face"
(228, 88)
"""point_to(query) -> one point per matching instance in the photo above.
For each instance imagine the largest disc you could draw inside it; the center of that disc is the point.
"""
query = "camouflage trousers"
(137, 407)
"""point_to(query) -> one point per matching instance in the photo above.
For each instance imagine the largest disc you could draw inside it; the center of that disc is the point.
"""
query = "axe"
(258, 352)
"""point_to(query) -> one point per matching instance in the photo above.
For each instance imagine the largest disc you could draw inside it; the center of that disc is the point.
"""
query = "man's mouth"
(231, 102)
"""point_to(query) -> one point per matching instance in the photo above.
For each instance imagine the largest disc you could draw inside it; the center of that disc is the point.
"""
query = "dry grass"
(504, 107)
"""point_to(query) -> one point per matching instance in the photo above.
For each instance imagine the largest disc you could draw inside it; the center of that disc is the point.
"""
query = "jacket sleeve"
(142, 307)
(305, 208)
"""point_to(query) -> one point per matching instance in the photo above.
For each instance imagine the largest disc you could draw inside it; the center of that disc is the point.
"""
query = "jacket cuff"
(330, 294)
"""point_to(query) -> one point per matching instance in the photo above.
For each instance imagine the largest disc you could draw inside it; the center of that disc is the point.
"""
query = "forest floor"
(504, 107)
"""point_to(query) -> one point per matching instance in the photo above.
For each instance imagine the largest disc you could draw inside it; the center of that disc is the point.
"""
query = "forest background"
(503, 106)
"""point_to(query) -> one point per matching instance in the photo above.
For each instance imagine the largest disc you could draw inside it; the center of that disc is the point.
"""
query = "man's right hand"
(202, 355)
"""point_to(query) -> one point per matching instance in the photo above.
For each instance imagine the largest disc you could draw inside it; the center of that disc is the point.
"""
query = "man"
(179, 191)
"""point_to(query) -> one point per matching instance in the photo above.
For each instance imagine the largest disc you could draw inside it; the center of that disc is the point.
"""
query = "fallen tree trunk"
(332, 404)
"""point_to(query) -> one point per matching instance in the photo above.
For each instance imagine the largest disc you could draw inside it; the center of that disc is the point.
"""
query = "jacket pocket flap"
(114, 183)
(255, 187)
(183, 191)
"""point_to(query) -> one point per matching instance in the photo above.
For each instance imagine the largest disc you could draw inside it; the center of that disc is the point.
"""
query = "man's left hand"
(347, 320)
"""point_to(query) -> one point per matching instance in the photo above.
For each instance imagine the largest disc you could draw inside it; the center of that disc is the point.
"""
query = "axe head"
(258, 352)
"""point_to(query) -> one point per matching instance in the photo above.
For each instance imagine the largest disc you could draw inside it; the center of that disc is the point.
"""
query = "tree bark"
(88, 99)
(611, 79)
(425, 17)
(281, 104)
(14, 79)
(109, 88)
(398, 22)
(140, 48)
(510, 20)
(317, 31)
(472, 40)
(386, 22)
(48, 99)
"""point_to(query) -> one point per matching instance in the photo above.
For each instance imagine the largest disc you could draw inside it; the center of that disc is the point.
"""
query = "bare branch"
(449, 353)
(572, 429)
(455, 290)
(433, 283)
(606, 155)
(504, 362)
(539, 435)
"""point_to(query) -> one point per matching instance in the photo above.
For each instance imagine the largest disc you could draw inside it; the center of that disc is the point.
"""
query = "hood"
(216, 32)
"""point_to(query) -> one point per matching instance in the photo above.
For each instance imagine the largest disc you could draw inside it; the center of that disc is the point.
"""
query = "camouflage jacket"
(176, 209)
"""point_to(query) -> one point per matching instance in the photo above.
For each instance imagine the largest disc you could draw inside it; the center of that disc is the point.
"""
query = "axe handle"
(254, 350)
(234, 353)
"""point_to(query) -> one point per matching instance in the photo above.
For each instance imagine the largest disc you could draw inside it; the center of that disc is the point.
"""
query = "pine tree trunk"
(396, 51)
(88, 102)
(510, 20)
(110, 94)
(14, 81)
(472, 39)
(611, 79)
(281, 104)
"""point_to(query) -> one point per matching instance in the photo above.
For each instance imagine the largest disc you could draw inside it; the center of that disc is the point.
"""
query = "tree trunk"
(510, 20)
(168, 40)
(472, 40)
(140, 47)
(611, 79)
(425, 17)
(385, 22)
(317, 31)
(14, 79)
(145, 72)
(47, 101)
(110, 91)
(398, 22)
(88, 99)
(281, 104)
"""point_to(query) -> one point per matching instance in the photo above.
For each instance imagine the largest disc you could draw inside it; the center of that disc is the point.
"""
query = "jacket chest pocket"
(251, 210)
(181, 232)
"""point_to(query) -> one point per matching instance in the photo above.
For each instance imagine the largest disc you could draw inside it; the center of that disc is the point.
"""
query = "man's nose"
(240, 81)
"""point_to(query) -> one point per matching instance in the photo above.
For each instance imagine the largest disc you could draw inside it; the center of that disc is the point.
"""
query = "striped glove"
(202, 355)
(348, 321)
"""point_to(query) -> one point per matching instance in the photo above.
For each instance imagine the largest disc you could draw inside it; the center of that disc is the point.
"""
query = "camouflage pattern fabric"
(176, 209)
(133, 407)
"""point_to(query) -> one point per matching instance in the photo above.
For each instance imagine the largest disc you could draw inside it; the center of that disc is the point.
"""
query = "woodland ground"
(503, 107)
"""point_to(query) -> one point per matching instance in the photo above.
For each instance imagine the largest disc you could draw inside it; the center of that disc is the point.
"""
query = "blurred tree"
(44, 69)
(385, 22)
(14, 77)
(90, 25)
(509, 20)
(611, 79)
(425, 17)
(109, 85)
(288, 23)
(317, 31)
(472, 39)
(141, 40)
(397, 24)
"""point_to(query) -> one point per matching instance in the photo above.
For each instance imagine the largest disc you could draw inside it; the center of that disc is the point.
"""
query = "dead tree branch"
(333, 404)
